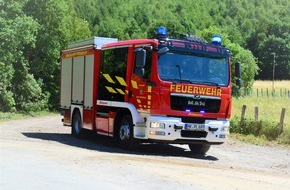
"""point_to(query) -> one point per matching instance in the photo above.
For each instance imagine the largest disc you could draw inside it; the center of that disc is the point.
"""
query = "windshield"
(190, 68)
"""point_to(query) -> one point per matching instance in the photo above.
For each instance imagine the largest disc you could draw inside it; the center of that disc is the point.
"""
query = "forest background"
(33, 33)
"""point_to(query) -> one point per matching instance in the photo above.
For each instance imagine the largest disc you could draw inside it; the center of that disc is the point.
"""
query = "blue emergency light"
(161, 32)
(216, 39)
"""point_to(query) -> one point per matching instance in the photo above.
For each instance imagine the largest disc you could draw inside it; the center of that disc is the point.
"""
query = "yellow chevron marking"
(134, 84)
(140, 106)
(139, 101)
(149, 107)
(149, 103)
(149, 97)
(110, 89)
(145, 106)
(120, 91)
(149, 88)
(109, 79)
(121, 81)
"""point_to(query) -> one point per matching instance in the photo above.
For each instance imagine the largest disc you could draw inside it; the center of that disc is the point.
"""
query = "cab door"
(141, 86)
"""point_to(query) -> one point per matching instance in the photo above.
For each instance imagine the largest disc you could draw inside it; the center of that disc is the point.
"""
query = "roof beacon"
(216, 40)
(161, 32)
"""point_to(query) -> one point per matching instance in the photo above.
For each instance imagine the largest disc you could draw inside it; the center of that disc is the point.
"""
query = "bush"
(285, 136)
(7, 102)
(263, 128)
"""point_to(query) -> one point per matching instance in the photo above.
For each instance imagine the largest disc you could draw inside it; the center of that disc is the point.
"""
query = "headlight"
(157, 125)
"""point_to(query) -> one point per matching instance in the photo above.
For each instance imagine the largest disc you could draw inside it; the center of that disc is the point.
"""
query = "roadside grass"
(6, 116)
(266, 130)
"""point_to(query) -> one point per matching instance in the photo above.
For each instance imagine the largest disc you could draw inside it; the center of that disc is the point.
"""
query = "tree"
(58, 24)
(18, 33)
(274, 40)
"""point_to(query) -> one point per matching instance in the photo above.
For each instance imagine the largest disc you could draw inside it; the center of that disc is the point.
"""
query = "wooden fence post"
(243, 112)
(256, 113)
(282, 119)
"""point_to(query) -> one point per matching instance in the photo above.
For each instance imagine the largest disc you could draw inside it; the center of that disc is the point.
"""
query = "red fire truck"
(175, 91)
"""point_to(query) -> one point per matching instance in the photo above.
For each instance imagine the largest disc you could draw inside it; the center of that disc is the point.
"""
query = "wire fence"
(270, 93)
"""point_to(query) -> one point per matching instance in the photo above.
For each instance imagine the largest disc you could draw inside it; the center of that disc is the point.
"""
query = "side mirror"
(238, 73)
(140, 71)
(140, 58)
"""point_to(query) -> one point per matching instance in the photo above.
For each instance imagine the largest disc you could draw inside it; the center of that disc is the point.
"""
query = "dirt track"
(40, 153)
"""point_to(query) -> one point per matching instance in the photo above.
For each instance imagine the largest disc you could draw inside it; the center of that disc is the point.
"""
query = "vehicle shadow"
(107, 144)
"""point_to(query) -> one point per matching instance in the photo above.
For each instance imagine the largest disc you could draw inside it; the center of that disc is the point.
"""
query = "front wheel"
(125, 134)
(199, 148)
(77, 126)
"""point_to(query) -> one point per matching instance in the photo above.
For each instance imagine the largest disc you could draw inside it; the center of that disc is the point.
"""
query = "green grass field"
(269, 107)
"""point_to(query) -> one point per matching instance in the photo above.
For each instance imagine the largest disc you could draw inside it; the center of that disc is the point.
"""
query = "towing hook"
(177, 127)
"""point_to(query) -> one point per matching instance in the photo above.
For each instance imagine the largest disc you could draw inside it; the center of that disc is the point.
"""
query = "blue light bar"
(216, 39)
(161, 32)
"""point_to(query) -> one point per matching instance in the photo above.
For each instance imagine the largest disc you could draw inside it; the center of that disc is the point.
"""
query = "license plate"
(194, 127)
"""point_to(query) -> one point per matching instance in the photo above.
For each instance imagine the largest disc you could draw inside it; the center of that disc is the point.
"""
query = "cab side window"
(112, 72)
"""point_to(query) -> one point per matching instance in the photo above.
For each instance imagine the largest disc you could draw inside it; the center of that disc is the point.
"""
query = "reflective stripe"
(121, 81)
(109, 79)
(134, 84)
(149, 97)
(120, 91)
(149, 88)
(110, 89)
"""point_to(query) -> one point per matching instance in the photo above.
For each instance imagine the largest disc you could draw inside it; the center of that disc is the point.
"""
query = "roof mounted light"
(161, 32)
(216, 40)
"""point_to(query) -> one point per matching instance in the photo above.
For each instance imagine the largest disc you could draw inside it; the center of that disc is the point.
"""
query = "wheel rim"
(124, 132)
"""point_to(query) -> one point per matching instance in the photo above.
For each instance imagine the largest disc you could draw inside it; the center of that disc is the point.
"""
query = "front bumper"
(173, 130)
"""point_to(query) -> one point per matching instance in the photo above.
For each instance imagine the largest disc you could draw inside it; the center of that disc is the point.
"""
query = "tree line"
(33, 33)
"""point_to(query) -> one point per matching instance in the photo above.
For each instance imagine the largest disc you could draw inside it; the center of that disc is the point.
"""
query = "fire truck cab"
(148, 90)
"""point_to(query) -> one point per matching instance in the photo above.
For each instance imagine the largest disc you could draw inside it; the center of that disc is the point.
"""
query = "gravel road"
(40, 153)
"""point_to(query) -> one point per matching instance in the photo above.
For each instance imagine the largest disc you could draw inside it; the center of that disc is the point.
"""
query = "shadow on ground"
(107, 144)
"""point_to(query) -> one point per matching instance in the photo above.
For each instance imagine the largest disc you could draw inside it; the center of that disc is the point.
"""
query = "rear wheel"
(77, 126)
(125, 134)
(199, 148)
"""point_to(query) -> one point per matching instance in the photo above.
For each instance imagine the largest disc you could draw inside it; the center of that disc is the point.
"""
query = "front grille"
(195, 103)
(193, 134)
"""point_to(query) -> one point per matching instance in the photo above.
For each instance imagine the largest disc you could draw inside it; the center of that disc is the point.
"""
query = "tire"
(125, 133)
(199, 148)
(77, 126)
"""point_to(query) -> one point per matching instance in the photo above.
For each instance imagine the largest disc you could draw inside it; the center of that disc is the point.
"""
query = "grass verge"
(262, 132)
(6, 116)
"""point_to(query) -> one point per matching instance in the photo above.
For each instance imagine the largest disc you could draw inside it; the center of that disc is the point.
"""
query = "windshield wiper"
(176, 80)
(179, 80)
(207, 82)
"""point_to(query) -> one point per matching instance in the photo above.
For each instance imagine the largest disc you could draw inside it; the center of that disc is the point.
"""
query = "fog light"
(222, 136)
(151, 132)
